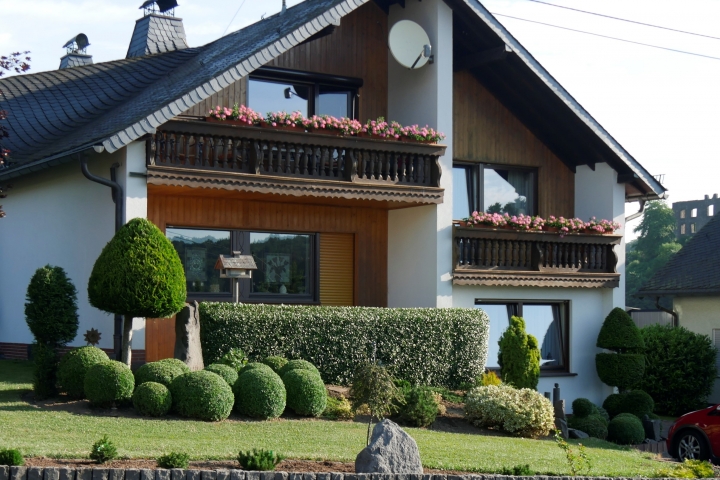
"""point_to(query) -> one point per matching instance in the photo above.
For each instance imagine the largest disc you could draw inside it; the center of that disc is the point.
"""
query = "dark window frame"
(246, 296)
(313, 81)
(564, 329)
(475, 177)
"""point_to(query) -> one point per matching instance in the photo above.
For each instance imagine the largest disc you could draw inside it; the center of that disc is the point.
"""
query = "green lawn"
(43, 432)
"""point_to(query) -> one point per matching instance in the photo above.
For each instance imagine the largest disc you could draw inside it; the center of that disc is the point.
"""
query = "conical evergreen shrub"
(624, 368)
(519, 356)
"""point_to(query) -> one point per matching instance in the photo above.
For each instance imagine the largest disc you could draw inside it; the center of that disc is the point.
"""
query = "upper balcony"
(287, 161)
(496, 257)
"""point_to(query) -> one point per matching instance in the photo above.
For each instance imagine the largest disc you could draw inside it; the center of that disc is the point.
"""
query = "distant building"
(692, 215)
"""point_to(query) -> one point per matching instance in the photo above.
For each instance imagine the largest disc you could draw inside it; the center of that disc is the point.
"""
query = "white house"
(362, 221)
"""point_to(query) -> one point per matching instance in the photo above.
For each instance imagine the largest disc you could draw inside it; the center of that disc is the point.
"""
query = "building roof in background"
(694, 270)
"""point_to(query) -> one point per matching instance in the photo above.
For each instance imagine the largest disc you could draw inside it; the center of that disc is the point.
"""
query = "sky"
(662, 106)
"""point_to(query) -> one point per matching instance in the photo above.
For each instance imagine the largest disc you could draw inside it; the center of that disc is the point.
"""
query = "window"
(710, 210)
(693, 213)
(692, 228)
(287, 264)
(275, 89)
(682, 229)
(547, 321)
(493, 189)
(682, 213)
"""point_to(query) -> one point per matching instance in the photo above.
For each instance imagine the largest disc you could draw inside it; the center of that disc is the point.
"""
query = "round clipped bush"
(626, 429)
(253, 366)
(306, 394)
(162, 371)
(228, 373)
(152, 399)
(109, 382)
(613, 404)
(276, 363)
(582, 407)
(73, 368)
(298, 365)
(637, 402)
(593, 424)
(522, 412)
(203, 395)
(260, 393)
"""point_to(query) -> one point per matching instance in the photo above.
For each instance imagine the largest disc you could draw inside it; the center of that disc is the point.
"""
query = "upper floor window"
(693, 213)
(275, 89)
(682, 213)
(711, 210)
(493, 189)
(682, 229)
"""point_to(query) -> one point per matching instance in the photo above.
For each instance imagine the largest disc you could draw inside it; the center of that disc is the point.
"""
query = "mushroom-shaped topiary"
(109, 382)
(162, 371)
(298, 365)
(260, 393)
(138, 274)
(624, 368)
(306, 394)
(228, 373)
(203, 395)
(73, 368)
(152, 399)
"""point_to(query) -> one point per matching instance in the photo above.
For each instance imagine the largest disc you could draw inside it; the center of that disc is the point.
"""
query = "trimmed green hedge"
(433, 346)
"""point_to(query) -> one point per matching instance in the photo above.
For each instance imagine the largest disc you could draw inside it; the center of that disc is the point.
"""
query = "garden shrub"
(626, 429)
(613, 404)
(421, 407)
(298, 365)
(518, 471)
(338, 409)
(582, 407)
(306, 394)
(488, 378)
(103, 450)
(74, 366)
(203, 395)
(593, 424)
(228, 373)
(235, 358)
(11, 457)
(688, 469)
(522, 412)
(51, 316)
(636, 402)
(174, 460)
(109, 382)
(253, 366)
(624, 368)
(519, 356)
(162, 371)
(680, 368)
(275, 362)
(259, 460)
(602, 412)
(152, 399)
(427, 346)
(260, 393)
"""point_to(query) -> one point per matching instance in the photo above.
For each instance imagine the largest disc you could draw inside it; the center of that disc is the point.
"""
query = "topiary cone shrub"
(138, 274)
(519, 356)
(624, 368)
(51, 315)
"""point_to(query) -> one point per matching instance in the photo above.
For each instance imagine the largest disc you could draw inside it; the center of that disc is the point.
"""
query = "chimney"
(76, 54)
(159, 31)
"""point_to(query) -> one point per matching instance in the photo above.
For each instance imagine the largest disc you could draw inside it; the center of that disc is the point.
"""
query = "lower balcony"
(495, 257)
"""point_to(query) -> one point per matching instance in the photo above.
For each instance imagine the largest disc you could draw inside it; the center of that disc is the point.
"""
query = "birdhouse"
(238, 266)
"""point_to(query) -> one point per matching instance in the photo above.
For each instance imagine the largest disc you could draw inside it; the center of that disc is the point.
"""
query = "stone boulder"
(562, 427)
(391, 450)
(187, 337)
(574, 433)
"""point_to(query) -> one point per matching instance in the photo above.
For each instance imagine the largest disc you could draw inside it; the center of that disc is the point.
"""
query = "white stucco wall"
(700, 315)
(420, 239)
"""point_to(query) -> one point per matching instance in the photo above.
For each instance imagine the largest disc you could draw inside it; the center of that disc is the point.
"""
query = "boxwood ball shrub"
(203, 395)
(680, 370)
(298, 365)
(522, 412)
(109, 382)
(626, 429)
(426, 346)
(74, 366)
(228, 373)
(636, 402)
(11, 457)
(519, 356)
(594, 425)
(253, 366)
(624, 368)
(152, 399)
(306, 394)
(162, 371)
(260, 393)
(275, 362)
(582, 407)
(421, 407)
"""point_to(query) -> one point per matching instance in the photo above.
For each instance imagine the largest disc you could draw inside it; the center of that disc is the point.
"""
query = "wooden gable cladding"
(357, 48)
(485, 131)
(337, 272)
(212, 208)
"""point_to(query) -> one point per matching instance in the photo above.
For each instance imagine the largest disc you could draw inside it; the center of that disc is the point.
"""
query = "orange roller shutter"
(337, 272)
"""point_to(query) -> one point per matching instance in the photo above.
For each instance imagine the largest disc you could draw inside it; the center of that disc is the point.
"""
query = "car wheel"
(691, 446)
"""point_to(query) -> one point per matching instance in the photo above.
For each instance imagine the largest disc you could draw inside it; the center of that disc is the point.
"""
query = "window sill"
(556, 374)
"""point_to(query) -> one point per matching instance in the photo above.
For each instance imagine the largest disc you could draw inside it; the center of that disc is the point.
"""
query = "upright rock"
(187, 337)
(391, 450)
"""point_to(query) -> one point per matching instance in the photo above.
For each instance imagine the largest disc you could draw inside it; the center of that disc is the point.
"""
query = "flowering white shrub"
(427, 346)
(522, 412)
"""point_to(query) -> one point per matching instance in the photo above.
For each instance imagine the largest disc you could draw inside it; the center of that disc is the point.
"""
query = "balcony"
(196, 153)
(495, 257)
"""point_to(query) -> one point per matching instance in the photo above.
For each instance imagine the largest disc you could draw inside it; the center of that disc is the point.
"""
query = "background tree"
(16, 63)
(650, 251)
(519, 356)
(138, 274)
(51, 315)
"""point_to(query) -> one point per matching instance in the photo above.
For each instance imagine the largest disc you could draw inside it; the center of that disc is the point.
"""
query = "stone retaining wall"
(50, 473)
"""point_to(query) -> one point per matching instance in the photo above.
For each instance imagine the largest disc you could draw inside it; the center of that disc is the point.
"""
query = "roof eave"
(694, 292)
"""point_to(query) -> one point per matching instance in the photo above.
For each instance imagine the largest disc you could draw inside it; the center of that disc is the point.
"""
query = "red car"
(696, 435)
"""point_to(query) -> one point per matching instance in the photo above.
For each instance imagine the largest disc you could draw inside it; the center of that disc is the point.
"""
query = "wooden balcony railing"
(296, 155)
(484, 256)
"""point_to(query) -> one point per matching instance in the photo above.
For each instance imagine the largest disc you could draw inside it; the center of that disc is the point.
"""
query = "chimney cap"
(77, 44)
(162, 6)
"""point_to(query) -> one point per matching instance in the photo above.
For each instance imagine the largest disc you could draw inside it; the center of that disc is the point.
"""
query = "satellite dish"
(409, 44)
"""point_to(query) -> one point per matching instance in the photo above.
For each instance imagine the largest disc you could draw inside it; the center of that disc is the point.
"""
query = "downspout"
(676, 320)
(118, 198)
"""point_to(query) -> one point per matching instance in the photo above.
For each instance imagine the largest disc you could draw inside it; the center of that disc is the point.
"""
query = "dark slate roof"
(694, 270)
(157, 34)
(55, 114)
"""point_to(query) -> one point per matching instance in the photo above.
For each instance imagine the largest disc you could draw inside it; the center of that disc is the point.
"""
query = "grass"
(60, 434)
